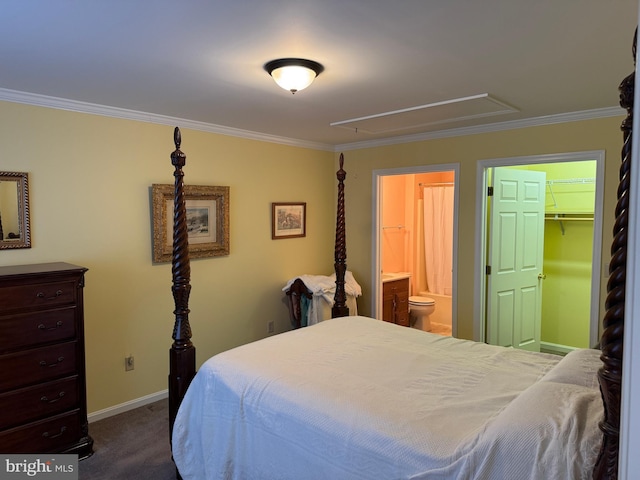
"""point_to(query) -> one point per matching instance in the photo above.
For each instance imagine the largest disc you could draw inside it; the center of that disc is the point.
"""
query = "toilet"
(420, 307)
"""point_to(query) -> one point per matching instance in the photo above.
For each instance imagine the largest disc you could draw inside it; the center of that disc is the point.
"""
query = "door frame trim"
(479, 295)
(376, 225)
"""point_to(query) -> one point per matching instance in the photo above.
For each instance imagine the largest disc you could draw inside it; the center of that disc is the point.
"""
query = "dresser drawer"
(37, 365)
(50, 435)
(31, 329)
(32, 403)
(39, 295)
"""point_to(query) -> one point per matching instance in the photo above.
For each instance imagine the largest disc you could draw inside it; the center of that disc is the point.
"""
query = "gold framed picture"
(207, 221)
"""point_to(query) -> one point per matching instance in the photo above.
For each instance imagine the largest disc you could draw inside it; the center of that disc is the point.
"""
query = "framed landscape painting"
(207, 221)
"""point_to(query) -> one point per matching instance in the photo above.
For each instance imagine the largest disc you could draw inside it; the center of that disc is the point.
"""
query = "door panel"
(515, 256)
(504, 318)
(506, 246)
(528, 323)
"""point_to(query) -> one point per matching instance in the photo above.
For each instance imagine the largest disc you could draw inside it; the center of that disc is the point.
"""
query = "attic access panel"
(458, 109)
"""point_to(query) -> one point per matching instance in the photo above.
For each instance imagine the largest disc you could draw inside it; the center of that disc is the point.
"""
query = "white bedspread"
(357, 398)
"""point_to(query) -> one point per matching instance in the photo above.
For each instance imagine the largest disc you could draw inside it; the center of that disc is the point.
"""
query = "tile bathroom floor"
(441, 329)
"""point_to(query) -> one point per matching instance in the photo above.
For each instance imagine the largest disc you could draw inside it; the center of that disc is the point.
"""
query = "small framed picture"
(288, 220)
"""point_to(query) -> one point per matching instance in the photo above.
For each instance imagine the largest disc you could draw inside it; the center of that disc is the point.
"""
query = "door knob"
(541, 276)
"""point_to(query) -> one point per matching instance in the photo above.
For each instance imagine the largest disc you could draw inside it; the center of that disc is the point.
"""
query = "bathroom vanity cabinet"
(395, 301)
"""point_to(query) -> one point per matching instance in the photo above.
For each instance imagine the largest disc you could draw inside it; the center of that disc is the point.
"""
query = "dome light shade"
(293, 74)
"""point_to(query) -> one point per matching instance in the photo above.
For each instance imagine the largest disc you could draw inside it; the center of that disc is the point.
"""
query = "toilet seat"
(417, 300)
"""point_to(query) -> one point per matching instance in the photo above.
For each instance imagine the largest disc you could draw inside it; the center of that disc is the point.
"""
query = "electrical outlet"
(270, 327)
(128, 363)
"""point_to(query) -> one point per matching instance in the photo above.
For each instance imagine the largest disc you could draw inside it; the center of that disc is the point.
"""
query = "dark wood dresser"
(43, 405)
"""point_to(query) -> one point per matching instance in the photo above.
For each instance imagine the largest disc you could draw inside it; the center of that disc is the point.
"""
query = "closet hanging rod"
(437, 184)
(571, 219)
(561, 219)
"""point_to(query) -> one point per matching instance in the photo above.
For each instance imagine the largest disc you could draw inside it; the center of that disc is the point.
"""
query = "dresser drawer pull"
(42, 295)
(45, 328)
(43, 363)
(59, 434)
(53, 400)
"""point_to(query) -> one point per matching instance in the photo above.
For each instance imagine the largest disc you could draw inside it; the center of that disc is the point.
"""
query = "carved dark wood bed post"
(340, 308)
(182, 356)
(611, 342)
(295, 293)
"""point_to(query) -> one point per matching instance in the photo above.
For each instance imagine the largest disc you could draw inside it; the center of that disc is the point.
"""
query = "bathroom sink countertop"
(388, 277)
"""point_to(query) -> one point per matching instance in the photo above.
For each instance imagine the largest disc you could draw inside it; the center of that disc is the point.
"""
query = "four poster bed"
(357, 398)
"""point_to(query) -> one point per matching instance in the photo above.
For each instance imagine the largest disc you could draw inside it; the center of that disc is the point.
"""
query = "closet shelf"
(572, 181)
(568, 217)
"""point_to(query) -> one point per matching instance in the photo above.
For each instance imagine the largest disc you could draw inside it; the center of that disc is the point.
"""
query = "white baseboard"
(555, 348)
(126, 406)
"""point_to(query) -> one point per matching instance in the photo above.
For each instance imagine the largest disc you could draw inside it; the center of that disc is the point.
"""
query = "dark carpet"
(131, 446)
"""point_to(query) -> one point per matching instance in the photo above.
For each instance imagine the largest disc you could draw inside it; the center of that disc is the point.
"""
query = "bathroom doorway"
(401, 197)
(572, 229)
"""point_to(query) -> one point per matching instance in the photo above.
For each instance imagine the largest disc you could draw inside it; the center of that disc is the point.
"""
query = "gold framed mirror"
(15, 229)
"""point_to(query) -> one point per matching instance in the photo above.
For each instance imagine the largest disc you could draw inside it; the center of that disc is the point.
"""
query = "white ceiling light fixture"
(293, 74)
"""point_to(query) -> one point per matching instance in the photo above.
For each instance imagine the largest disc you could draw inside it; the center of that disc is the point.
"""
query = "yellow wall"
(89, 183)
(566, 290)
(598, 134)
(394, 239)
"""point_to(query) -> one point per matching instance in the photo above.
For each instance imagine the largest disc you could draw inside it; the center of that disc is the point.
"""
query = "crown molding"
(126, 114)
(492, 127)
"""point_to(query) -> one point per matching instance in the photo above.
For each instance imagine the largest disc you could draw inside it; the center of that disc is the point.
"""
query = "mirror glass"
(15, 230)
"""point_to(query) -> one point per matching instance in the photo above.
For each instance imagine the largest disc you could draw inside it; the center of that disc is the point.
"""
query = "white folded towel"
(325, 286)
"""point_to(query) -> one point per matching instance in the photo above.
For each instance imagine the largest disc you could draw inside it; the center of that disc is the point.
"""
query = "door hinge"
(490, 191)
(488, 269)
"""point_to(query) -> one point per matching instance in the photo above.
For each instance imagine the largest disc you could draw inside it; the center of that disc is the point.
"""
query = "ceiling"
(470, 62)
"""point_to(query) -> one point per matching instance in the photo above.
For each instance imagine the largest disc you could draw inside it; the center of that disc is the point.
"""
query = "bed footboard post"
(340, 308)
(182, 356)
(610, 374)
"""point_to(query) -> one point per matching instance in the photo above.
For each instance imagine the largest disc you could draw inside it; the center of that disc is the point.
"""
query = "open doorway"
(568, 276)
(400, 246)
